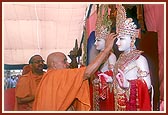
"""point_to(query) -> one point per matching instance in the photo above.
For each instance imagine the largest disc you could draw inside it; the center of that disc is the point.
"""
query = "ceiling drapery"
(40, 28)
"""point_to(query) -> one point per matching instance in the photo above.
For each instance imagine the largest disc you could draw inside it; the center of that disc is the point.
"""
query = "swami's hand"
(110, 40)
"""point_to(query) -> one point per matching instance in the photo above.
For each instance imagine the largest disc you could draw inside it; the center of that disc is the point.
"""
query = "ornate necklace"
(126, 58)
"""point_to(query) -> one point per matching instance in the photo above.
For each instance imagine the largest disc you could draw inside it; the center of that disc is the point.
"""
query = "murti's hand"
(120, 78)
(123, 82)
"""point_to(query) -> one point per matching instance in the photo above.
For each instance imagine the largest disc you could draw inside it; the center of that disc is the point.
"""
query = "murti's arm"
(111, 61)
(140, 72)
(143, 70)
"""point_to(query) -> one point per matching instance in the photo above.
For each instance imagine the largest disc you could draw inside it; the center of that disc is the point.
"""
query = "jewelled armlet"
(142, 73)
(110, 66)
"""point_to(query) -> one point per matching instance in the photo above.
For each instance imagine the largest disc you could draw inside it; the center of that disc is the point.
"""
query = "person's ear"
(31, 65)
(52, 64)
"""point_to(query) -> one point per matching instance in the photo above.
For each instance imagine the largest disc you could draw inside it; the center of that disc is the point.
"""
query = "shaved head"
(56, 60)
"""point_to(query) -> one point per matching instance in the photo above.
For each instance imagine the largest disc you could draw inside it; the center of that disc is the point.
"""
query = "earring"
(132, 44)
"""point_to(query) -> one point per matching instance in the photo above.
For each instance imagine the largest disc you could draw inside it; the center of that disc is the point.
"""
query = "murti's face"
(100, 44)
(124, 42)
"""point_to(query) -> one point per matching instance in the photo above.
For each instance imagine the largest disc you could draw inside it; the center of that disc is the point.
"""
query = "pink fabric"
(154, 19)
(91, 23)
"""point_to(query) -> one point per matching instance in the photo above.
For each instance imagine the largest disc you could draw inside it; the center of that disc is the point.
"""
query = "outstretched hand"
(110, 40)
(120, 78)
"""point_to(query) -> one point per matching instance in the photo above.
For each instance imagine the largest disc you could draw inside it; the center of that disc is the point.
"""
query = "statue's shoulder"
(141, 60)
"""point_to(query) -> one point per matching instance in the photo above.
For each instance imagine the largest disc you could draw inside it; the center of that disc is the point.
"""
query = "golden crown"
(125, 26)
(103, 23)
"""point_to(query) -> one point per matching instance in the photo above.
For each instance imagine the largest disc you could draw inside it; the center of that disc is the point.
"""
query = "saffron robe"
(26, 86)
(59, 89)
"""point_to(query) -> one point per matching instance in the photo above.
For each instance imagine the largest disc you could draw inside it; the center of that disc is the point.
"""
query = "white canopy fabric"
(40, 28)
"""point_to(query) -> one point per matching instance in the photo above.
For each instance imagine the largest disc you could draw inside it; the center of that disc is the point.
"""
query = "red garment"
(143, 96)
(108, 103)
(102, 96)
(139, 98)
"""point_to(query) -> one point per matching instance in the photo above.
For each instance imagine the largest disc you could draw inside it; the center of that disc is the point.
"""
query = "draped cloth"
(59, 89)
(154, 20)
(26, 86)
(102, 96)
(139, 96)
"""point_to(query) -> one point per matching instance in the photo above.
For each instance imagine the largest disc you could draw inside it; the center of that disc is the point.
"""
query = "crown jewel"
(125, 26)
(103, 23)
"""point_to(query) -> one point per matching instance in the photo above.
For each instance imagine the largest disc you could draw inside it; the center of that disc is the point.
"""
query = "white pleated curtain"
(40, 28)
